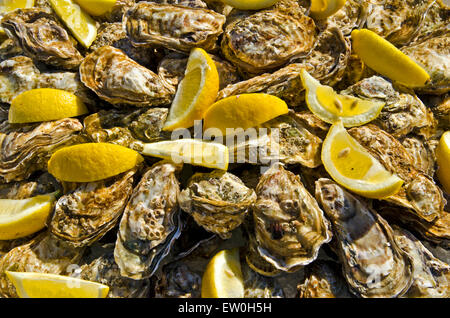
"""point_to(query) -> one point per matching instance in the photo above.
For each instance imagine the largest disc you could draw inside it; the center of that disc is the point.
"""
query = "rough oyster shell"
(150, 222)
(41, 37)
(218, 201)
(259, 286)
(351, 16)
(289, 225)
(373, 264)
(28, 149)
(116, 78)
(422, 153)
(178, 281)
(435, 20)
(86, 213)
(183, 3)
(9, 49)
(173, 27)
(18, 190)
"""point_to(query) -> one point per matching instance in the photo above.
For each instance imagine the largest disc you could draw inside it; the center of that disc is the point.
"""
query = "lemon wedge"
(45, 104)
(96, 7)
(329, 106)
(443, 161)
(243, 111)
(250, 4)
(384, 58)
(322, 9)
(80, 24)
(20, 218)
(223, 277)
(40, 285)
(350, 165)
(92, 162)
(192, 151)
(195, 93)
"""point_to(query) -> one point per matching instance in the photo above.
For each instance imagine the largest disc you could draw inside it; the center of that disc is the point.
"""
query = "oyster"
(419, 193)
(28, 149)
(41, 37)
(44, 254)
(9, 49)
(183, 3)
(83, 215)
(259, 286)
(289, 225)
(351, 16)
(150, 223)
(18, 190)
(173, 27)
(116, 78)
(422, 153)
(218, 201)
(178, 281)
(324, 280)
(373, 264)
(435, 20)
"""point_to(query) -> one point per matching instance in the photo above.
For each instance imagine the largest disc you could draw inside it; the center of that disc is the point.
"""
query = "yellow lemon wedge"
(195, 93)
(20, 218)
(384, 58)
(223, 277)
(96, 7)
(243, 111)
(40, 285)
(45, 104)
(250, 4)
(329, 106)
(322, 9)
(350, 165)
(80, 24)
(192, 151)
(443, 161)
(92, 162)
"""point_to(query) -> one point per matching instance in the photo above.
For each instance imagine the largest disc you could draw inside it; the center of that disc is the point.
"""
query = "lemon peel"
(443, 161)
(322, 9)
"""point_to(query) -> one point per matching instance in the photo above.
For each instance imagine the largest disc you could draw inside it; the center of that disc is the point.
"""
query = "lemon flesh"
(223, 277)
(350, 165)
(20, 218)
(443, 161)
(80, 24)
(321, 9)
(191, 151)
(40, 285)
(250, 4)
(45, 104)
(96, 7)
(92, 162)
(243, 111)
(329, 106)
(384, 58)
(195, 93)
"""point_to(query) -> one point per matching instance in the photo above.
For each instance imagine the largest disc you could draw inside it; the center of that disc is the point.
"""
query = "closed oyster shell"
(218, 201)
(41, 37)
(27, 149)
(173, 27)
(289, 225)
(150, 223)
(116, 78)
(373, 264)
(88, 212)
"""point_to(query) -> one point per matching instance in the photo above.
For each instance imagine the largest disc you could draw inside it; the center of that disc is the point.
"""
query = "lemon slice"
(195, 93)
(250, 4)
(329, 106)
(223, 277)
(384, 58)
(243, 111)
(192, 151)
(80, 24)
(350, 165)
(322, 9)
(96, 7)
(20, 218)
(40, 285)
(11, 5)
(92, 162)
(443, 161)
(45, 104)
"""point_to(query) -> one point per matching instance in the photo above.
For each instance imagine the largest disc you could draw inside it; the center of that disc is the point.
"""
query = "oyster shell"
(28, 149)
(435, 20)
(9, 49)
(218, 201)
(41, 37)
(373, 264)
(19, 190)
(259, 286)
(173, 27)
(183, 3)
(178, 281)
(351, 16)
(83, 215)
(116, 78)
(289, 225)
(422, 153)
(150, 223)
